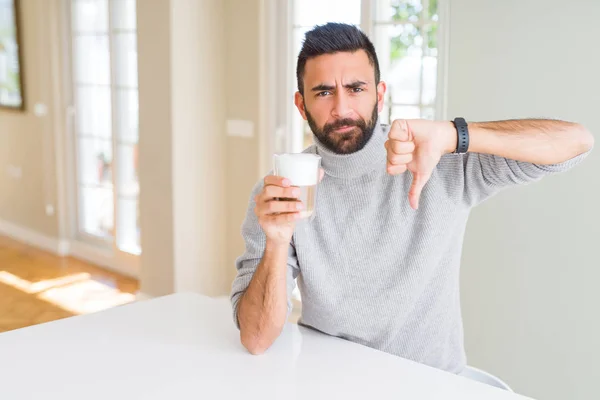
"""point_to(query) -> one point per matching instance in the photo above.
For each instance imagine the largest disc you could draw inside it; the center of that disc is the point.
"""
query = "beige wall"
(182, 146)
(198, 109)
(26, 140)
(242, 89)
(190, 169)
(157, 276)
(531, 266)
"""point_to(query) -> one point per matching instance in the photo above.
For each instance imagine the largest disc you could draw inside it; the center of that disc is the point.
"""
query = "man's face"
(341, 100)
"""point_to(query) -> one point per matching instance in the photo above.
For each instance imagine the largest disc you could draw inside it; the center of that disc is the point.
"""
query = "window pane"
(128, 229)
(93, 111)
(96, 211)
(297, 43)
(95, 162)
(128, 170)
(399, 49)
(308, 135)
(428, 113)
(297, 136)
(316, 12)
(431, 34)
(90, 16)
(125, 55)
(429, 80)
(433, 10)
(123, 14)
(405, 112)
(398, 10)
(128, 115)
(92, 59)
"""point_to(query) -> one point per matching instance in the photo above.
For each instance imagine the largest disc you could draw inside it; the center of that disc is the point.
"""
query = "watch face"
(460, 121)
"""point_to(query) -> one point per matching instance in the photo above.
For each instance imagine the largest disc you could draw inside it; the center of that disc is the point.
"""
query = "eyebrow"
(351, 85)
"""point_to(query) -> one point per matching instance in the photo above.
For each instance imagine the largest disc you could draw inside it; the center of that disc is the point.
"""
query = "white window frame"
(100, 251)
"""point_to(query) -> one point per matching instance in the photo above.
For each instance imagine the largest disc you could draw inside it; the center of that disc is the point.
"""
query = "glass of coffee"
(302, 170)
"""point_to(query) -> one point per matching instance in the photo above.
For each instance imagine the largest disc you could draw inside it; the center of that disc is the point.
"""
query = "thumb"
(400, 131)
(321, 174)
(418, 183)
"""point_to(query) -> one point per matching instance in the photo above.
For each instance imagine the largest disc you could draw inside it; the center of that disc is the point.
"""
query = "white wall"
(531, 264)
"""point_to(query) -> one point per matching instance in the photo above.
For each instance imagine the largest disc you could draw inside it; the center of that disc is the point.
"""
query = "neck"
(356, 164)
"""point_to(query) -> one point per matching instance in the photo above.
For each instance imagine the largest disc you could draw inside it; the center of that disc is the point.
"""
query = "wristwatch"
(462, 144)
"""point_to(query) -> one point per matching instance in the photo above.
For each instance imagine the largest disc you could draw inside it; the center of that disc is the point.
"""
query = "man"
(379, 263)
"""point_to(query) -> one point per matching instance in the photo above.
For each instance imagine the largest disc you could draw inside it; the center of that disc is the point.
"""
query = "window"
(105, 91)
(405, 35)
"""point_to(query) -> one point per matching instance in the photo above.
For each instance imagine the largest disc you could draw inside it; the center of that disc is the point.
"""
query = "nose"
(342, 107)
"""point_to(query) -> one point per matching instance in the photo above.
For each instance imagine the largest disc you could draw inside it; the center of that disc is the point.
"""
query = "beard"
(344, 142)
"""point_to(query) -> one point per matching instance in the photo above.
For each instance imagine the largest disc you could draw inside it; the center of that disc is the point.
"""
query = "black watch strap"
(462, 144)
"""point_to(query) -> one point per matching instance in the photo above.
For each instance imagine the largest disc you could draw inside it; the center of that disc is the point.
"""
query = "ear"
(381, 88)
(299, 101)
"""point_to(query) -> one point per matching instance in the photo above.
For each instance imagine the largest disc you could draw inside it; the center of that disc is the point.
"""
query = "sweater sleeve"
(486, 174)
(246, 264)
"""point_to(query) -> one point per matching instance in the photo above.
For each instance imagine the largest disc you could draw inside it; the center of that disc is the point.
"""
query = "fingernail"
(286, 182)
(299, 206)
(295, 192)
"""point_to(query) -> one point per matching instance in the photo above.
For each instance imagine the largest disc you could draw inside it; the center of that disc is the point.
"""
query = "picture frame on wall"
(11, 65)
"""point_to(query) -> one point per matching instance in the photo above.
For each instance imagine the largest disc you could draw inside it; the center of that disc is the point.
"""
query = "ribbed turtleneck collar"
(347, 166)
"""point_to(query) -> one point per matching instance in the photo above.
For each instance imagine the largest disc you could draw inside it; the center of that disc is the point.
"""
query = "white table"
(185, 346)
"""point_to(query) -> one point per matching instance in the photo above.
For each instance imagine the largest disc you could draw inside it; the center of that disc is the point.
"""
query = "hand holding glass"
(303, 171)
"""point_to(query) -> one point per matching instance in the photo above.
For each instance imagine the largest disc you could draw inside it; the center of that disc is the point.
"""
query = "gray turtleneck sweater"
(372, 270)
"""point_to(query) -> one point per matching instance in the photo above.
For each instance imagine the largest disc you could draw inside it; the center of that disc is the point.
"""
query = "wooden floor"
(37, 287)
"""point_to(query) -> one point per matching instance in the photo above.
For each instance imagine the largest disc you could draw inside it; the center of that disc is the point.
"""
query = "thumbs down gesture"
(417, 146)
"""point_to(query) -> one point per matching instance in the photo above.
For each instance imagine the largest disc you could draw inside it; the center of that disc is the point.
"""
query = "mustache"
(343, 122)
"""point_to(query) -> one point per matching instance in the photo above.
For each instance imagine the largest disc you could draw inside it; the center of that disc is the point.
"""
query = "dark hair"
(333, 38)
